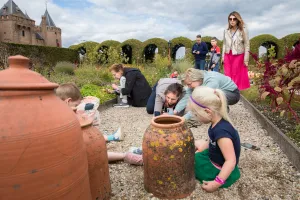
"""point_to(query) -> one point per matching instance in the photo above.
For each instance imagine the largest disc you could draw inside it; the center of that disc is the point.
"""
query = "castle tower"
(50, 33)
(15, 26)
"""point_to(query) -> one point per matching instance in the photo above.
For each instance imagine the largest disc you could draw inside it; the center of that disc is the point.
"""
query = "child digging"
(215, 161)
(71, 95)
(86, 107)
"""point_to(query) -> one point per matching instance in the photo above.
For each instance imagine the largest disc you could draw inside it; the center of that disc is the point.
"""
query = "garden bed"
(266, 119)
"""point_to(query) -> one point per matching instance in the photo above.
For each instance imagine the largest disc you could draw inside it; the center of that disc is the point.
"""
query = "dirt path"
(265, 174)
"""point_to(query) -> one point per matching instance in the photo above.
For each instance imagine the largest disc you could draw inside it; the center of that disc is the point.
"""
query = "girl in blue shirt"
(215, 160)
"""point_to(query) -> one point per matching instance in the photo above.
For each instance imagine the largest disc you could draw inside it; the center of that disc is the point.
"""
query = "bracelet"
(219, 180)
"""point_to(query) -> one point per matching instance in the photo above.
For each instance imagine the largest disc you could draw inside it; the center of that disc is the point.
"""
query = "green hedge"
(178, 42)
(137, 48)
(40, 55)
(107, 43)
(89, 46)
(290, 40)
(161, 44)
(258, 41)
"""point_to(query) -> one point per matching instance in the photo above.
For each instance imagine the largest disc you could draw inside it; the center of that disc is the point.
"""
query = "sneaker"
(118, 136)
(133, 159)
(121, 105)
(136, 150)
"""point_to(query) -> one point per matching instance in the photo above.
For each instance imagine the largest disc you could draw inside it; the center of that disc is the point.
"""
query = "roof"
(38, 36)
(10, 8)
(49, 21)
(27, 15)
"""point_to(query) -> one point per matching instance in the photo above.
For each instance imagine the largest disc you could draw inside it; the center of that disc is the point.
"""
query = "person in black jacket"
(136, 87)
(199, 50)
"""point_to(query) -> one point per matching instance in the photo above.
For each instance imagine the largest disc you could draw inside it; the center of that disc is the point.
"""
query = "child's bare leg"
(113, 156)
(128, 157)
(201, 145)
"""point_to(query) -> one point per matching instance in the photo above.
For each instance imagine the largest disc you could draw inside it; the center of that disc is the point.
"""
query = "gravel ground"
(265, 173)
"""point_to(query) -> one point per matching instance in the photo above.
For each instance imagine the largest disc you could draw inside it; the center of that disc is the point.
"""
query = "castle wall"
(16, 29)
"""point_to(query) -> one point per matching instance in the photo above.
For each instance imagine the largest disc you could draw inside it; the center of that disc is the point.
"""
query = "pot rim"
(168, 126)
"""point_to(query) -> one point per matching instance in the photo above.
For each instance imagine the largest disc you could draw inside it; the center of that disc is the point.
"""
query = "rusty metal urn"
(97, 160)
(168, 154)
(42, 153)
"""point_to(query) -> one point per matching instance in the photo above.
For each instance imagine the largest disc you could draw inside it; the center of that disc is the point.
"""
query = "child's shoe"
(133, 159)
(118, 135)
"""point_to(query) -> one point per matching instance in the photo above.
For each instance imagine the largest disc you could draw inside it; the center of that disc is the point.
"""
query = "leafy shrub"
(280, 80)
(89, 74)
(94, 90)
(182, 65)
(61, 78)
(64, 68)
(295, 135)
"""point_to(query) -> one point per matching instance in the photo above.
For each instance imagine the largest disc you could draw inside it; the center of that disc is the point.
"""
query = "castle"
(17, 27)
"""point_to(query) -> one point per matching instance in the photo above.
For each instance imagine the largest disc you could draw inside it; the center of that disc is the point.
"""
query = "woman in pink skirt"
(236, 51)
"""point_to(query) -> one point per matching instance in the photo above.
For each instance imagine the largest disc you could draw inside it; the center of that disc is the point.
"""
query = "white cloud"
(100, 20)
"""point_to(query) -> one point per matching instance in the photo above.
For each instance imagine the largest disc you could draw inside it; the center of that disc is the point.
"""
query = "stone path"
(265, 174)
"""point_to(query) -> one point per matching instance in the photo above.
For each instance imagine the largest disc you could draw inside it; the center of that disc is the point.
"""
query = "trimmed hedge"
(180, 42)
(89, 46)
(161, 44)
(290, 40)
(266, 40)
(40, 55)
(136, 47)
(107, 43)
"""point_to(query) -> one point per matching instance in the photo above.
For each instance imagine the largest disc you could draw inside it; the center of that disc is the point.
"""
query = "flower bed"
(275, 88)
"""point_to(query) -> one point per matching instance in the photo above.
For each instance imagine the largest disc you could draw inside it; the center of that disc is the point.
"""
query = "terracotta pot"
(168, 154)
(97, 160)
(42, 153)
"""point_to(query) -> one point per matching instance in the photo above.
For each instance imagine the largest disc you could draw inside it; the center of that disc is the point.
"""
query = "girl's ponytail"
(223, 109)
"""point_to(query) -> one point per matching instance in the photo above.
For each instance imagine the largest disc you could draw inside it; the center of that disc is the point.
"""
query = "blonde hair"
(68, 90)
(193, 74)
(213, 99)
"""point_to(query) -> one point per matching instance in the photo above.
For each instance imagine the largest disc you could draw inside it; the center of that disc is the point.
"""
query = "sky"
(100, 20)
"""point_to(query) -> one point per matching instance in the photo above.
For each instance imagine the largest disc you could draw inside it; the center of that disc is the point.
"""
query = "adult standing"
(136, 87)
(235, 55)
(199, 51)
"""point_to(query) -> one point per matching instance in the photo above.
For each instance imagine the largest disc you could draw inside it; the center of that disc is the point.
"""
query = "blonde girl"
(215, 160)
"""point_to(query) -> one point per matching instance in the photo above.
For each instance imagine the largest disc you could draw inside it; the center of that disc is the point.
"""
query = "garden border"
(285, 143)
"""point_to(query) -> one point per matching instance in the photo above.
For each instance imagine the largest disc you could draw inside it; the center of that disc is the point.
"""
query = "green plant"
(182, 65)
(94, 90)
(280, 80)
(64, 68)
(89, 74)
(295, 135)
(60, 78)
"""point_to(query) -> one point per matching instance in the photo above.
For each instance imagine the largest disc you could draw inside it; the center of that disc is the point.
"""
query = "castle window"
(55, 33)
(4, 32)
(23, 33)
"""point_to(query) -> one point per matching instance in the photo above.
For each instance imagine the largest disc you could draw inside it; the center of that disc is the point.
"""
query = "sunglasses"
(232, 19)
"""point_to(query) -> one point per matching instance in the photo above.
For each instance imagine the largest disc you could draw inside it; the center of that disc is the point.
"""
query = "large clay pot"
(42, 154)
(168, 154)
(97, 160)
